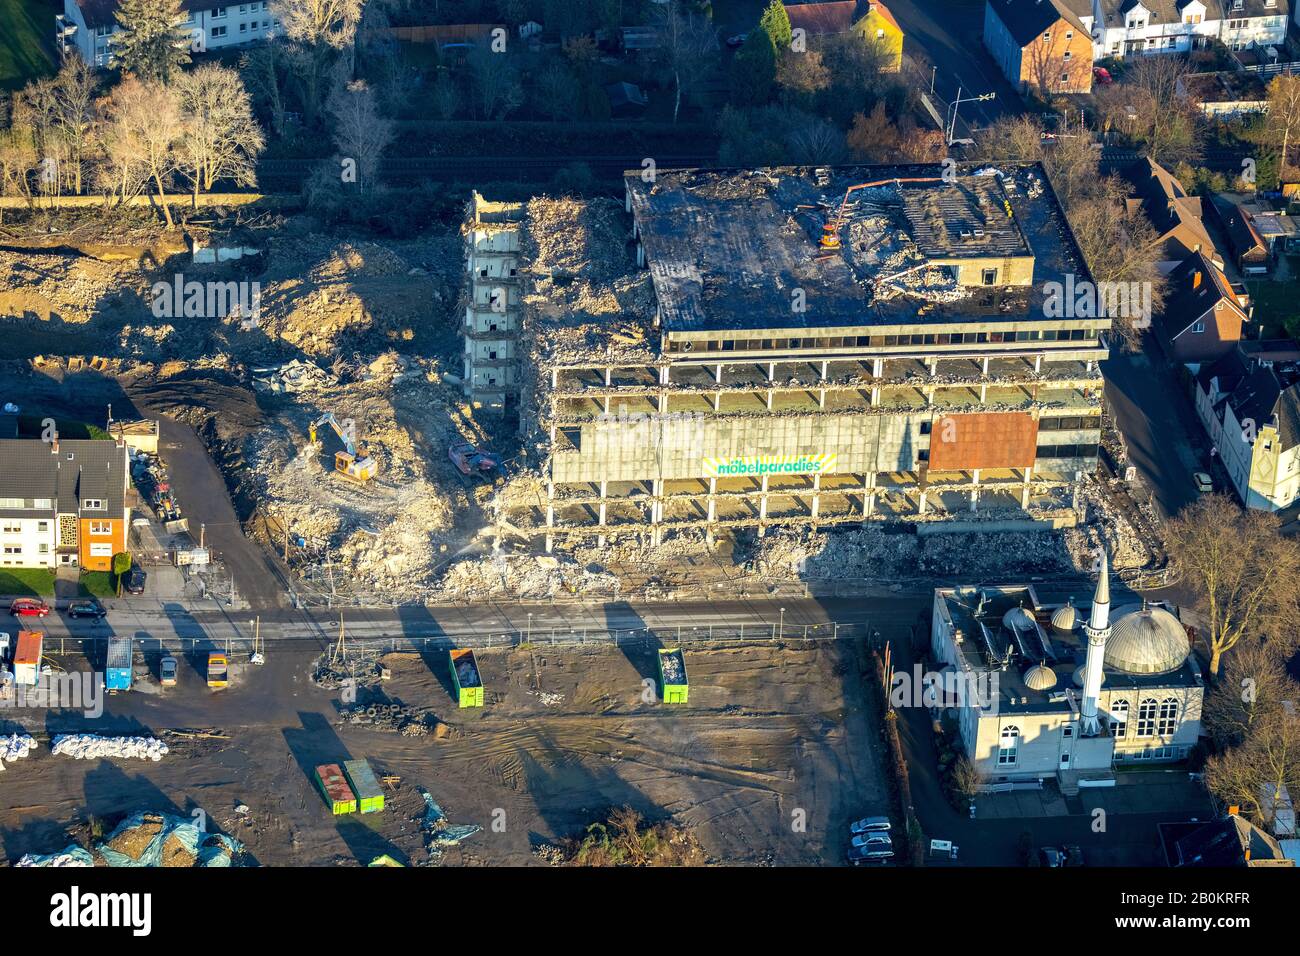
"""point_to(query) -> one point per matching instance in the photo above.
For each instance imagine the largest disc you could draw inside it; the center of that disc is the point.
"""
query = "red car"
(29, 607)
(1102, 75)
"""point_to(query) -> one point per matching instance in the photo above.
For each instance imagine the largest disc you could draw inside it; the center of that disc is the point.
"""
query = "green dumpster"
(370, 797)
(338, 795)
(465, 677)
(673, 686)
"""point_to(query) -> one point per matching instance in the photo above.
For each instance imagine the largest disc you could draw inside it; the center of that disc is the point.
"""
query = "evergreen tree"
(775, 22)
(151, 44)
(753, 70)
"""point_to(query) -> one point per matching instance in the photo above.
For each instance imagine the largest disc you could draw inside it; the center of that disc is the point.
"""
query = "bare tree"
(1253, 688)
(495, 82)
(361, 132)
(1253, 774)
(1283, 116)
(1247, 575)
(144, 130)
(688, 43)
(1152, 105)
(221, 139)
(263, 69)
(817, 143)
(318, 31)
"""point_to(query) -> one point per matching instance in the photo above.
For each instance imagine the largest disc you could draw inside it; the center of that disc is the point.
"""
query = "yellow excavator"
(352, 463)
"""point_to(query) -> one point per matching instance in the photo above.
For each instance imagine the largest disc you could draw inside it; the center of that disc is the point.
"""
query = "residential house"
(63, 502)
(1202, 315)
(1122, 28)
(1249, 404)
(1041, 46)
(87, 26)
(1251, 252)
(1175, 215)
(1231, 841)
(869, 19)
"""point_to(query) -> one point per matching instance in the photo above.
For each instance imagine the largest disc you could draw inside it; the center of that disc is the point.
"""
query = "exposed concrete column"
(933, 366)
(604, 490)
(657, 511)
(769, 399)
(609, 376)
(921, 505)
(555, 378)
(717, 373)
(984, 393)
(762, 507)
(550, 511)
(821, 398)
(816, 498)
(825, 369)
(717, 401)
(771, 371)
(986, 365)
(1024, 490)
(975, 491)
(713, 503)
(1038, 362)
(928, 392)
(877, 367)
(875, 395)
(606, 406)
(868, 494)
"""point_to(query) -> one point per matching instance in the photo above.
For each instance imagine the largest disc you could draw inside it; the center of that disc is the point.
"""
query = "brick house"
(1042, 46)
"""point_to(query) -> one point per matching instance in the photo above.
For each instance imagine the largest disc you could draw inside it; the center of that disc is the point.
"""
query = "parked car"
(1102, 75)
(873, 840)
(860, 855)
(167, 672)
(737, 41)
(867, 824)
(29, 607)
(135, 579)
(86, 609)
(1056, 856)
(1204, 484)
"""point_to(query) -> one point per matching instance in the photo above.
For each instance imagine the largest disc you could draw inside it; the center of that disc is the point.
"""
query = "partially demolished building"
(794, 346)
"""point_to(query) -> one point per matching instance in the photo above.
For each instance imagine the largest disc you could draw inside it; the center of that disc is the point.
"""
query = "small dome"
(1147, 641)
(1065, 618)
(1016, 618)
(1040, 677)
(1078, 676)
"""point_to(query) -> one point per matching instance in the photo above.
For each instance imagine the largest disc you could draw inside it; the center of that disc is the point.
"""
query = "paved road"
(950, 34)
(1158, 424)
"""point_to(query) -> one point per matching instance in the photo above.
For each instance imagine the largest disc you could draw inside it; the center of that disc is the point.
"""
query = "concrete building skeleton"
(708, 364)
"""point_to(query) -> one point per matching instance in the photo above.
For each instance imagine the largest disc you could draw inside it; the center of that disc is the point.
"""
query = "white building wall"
(27, 542)
(230, 26)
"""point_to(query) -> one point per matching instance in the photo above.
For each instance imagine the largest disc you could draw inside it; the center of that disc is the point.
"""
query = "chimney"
(54, 446)
(1196, 279)
(1234, 810)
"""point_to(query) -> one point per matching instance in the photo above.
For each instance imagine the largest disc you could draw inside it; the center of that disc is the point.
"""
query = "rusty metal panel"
(983, 440)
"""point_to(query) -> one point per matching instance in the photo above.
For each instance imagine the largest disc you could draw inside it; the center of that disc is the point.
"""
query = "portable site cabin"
(465, 678)
(673, 686)
(338, 795)
(117, 664)
(370, 797)
(27, 658)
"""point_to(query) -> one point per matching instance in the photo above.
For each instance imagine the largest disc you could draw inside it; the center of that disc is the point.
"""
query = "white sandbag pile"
(15, 747)
(93, 747)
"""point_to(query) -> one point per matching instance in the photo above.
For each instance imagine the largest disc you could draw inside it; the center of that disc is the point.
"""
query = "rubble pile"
(94, 747)
(163, 840)
(439, 833)
(524, 577)
(67, 288)
(395, 718)
(69, 856)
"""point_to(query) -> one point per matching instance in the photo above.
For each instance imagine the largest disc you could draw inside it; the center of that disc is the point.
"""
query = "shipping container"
(117, 664)
(338, 795)
(27, 657)
(673, 687)
(465, 677)
(370, 796)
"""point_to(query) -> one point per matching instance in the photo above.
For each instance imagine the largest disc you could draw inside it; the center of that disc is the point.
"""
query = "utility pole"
(340, 647)
(202, 528)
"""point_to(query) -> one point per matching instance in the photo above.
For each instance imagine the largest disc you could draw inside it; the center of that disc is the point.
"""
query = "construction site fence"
(93, 648)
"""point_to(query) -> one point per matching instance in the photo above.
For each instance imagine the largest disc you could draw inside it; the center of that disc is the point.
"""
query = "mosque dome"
(1017, 618)
(1040, 677)
(1147, 641)
(1065, 618)
(1078, 675)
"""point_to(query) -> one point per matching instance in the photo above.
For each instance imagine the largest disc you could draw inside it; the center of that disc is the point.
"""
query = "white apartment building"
(88, 25)
(1122, 28)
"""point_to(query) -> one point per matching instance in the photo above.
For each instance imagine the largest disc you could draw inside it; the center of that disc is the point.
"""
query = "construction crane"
(353, 463)
(830, 239)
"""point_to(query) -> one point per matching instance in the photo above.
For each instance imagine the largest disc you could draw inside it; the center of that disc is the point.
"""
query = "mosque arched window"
(1007, 746)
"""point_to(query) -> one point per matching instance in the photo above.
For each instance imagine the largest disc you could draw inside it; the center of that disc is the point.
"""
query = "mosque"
(1071, 692)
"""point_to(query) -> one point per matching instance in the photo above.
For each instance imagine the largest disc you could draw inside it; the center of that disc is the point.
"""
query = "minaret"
(1097, 630)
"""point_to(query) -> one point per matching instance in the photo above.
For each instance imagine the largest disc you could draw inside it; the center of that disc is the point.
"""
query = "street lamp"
(782, 629)
(530, 627)
(952, 125)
